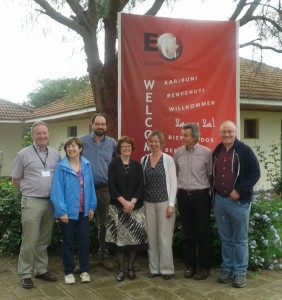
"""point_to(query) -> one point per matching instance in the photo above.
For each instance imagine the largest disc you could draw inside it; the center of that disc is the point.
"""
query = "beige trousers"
(160, 234)
(37, 226)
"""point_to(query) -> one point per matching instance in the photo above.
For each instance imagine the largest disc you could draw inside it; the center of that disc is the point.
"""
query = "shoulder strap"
(144, 161)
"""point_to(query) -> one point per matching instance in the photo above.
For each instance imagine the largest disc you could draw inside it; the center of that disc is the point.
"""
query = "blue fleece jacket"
(65, 189)
(247, 169)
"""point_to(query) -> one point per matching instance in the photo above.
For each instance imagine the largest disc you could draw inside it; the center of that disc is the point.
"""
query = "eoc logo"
(167, 44)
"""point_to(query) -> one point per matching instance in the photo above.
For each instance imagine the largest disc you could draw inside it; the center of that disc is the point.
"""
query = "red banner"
(175, 71)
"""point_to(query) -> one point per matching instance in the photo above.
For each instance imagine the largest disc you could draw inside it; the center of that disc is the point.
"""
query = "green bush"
(56, 244)
(10, 218)
(178, 241)
(265, 230)
(277, 186)
(10, 223)
(271, 161)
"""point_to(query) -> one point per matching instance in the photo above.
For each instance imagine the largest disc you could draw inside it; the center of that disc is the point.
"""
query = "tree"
(54, 89)
(87, 16)
(266, 14)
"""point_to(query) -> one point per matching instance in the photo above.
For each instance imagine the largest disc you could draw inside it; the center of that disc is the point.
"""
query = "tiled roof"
(83, 101)
(257, 81)
(260, 81)
(12, 111)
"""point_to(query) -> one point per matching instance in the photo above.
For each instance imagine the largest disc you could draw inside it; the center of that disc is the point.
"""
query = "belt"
(194, 192)
(45, 198)
(223, 194)
(100, 186)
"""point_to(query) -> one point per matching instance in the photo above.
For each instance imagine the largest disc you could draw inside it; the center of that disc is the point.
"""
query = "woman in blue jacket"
(74, 200)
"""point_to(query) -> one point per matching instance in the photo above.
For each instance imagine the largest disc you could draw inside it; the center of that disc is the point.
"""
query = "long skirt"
(126, 232)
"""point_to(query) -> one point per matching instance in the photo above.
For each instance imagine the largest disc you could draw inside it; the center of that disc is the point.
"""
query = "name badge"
(45, 173)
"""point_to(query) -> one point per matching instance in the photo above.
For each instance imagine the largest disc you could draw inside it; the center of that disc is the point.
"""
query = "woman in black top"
(126, 231)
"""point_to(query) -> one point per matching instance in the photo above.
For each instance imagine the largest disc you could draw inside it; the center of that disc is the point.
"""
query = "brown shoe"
(107, 264)
(202, 274)
(27, 283)
(47, 277)
(190, 272)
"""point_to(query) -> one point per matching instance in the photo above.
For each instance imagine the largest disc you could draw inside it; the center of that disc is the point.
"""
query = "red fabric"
(225, 170)
(203, 74)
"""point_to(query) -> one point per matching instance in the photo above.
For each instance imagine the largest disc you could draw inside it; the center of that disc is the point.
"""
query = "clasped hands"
(128, 207)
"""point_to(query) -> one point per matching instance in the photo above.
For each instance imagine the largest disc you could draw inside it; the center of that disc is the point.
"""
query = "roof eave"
(60, 115)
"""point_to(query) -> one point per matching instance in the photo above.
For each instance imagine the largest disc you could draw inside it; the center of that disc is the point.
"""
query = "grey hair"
(194, 129)
(35, 124)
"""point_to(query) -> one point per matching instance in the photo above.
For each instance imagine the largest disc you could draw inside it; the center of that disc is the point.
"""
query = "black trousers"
(194, 211)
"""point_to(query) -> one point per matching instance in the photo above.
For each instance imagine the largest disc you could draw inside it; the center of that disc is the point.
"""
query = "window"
(72, 131)
(251, 129)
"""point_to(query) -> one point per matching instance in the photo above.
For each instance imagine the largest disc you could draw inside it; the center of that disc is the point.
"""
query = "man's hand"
(234, 195)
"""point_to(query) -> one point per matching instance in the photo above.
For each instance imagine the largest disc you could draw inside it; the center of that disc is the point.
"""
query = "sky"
(32, 50)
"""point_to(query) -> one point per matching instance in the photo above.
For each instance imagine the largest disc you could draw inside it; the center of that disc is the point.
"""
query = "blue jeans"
(79, 229)
(232, 219)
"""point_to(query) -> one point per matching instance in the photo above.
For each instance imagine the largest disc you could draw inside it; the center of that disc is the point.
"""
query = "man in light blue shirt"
(100, 149)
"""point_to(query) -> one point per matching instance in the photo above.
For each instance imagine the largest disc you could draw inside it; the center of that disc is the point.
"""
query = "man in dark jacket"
(235, 171)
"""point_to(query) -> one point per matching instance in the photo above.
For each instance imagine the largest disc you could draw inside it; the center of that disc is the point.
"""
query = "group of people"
(135, 202)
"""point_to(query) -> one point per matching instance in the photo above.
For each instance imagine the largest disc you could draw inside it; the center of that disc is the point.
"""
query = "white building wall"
(269, 132)
(10, 137)
(59, 131)
(10, 144)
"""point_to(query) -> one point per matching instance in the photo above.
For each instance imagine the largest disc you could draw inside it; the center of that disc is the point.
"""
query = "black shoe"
(202, 274)
(190, 272)
(46, 276)
(131, 274)
(27, 283)
(153, 275)
(167, 276)
(120, 276)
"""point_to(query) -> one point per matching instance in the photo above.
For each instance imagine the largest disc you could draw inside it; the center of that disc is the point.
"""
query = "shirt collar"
(191, 149)
(38, 148)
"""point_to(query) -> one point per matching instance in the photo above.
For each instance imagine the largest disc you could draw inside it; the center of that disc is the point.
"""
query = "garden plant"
(265, 230)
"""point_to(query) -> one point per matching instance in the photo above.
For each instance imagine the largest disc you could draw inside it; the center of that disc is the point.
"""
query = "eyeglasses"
(125, 146)
(222, 132)
(100, 124)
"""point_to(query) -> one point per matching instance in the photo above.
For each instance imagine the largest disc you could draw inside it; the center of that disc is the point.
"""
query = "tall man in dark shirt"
(99, 149)
(235, 171)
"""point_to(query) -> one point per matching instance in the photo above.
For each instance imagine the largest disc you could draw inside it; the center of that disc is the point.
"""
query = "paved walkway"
(262, 285)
